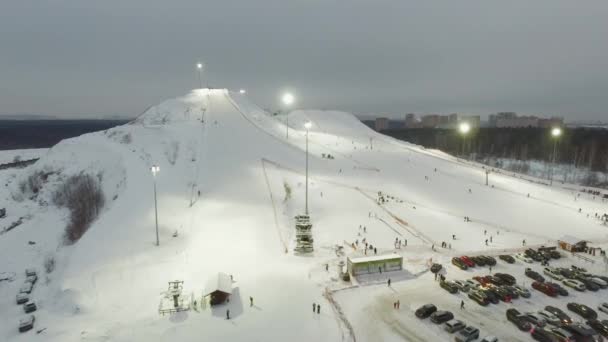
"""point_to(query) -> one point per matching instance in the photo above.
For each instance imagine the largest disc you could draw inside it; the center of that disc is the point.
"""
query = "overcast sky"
(98, 58)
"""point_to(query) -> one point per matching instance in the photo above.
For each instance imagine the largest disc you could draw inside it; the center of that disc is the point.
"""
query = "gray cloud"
(390, 57)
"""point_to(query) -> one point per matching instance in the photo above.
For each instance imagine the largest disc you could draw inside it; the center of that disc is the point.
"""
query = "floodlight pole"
(553, 161)
(306, 207)
(155, 169)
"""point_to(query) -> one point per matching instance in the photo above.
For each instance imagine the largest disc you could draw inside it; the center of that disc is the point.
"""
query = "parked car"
(553, 273)
(467, 334)
(26, 323)
(449, 286)
(567, 273)
(578, 269)
(502, 293)
(560, 289)
(30, 272)
(454, 326)
(479, 297)
(598, 326)
(496, 281)
(507, 258)
(581, 332)
(583, 310)
(459, 263)
(534, 319)
(560, 334)
(524, 258)
(489, 339)
(534, 275)
(549, 317)
(483, 280)
(26, 288)
(439, 317)
(436, 268)
(463, 286)
(544, 288)
(491, 295)
(512, 291)
(22, 298)
(506, 278)
(532, 254)
(516, 318)
(589, 284)
(29, 307)
(599, 282)
(564, 318)
(467, 261)
(540, 334)
(603, 307)
(489, 260)
(478, 260)
(524, 292)
(32, 279)
(426, 310)
(555, 254)
(575, 284)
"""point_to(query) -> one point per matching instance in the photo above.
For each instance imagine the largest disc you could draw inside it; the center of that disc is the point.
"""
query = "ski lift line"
(274, 209)
(388, 225)
(236, 106)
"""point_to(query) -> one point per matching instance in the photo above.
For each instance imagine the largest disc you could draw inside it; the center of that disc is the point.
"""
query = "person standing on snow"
(227, 314)
(461, 304)
(318, 308)
(314, 307)
(250, 301)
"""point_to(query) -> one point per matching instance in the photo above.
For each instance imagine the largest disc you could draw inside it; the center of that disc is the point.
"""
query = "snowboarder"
(227, 313)
(389, 282)
(461, 304)
(250, 301)
(314, 307)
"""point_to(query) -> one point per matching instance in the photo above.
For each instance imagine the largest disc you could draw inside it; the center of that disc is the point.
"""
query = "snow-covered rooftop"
(375, 258)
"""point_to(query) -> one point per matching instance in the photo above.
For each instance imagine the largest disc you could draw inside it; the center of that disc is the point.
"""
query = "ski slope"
(107, 286)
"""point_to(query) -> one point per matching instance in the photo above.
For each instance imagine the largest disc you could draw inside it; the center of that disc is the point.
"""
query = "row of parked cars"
(463, 332)
(488, 289)
(530, 255)
(574, 277)
(465, 262)
(23, 298)
(553, 324)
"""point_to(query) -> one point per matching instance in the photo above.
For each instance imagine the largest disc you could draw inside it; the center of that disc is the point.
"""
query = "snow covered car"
(489, 339)
(425, 310)
(26, 323)
(490, 261)
(524, 258)
(603, 307)
(598, 326)
(506, 278)
(30, 272)
(467, 334)
(522, 291)
(549, 317)
(583, 310)
(599, 282)
(534, 319)
(22, 298)
(560, 289)
(545, 288)
(553, 273)
(467, 261)
(454, 326)
(518, 319)
(29, 307)
(463, 286)
(575, 284)
(26, 288)
(564, 318)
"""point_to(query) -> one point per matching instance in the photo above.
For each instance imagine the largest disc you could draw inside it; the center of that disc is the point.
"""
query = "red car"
(544, 288)
(482, 280)
(467, 261)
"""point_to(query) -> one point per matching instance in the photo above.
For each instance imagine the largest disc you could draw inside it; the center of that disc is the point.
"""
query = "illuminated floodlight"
(464, 127)
(556, 132)
(308, 125)
(242, 91)
(288, 99)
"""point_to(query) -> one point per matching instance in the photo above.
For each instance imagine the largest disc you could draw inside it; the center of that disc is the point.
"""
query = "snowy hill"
(107, 285)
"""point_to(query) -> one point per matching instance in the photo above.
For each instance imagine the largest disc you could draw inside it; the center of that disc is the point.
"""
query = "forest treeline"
(580, 147)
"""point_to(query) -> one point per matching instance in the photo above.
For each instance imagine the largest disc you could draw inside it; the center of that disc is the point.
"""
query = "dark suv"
(441, 317)
(563, 317)
(459, 263)
(449, 286)
(425, 310)
(516, 318)
(507, 279)
(534, 275)
(583, 310)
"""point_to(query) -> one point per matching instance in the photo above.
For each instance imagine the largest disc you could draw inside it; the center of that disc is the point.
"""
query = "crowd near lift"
(304, 240)
(218, 289)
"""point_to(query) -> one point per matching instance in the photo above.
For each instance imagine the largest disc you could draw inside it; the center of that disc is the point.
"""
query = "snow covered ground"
(107, 286)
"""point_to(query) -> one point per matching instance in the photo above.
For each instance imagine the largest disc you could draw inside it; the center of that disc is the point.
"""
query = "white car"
(524, 258)
(549, 317)
(490, 339)
(553, 273)
(575, 284)
(603, 307)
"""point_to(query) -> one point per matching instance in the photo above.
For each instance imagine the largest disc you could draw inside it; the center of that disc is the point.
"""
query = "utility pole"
(155, 169)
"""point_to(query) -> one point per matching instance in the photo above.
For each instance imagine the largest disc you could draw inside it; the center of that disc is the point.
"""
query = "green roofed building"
(374, 264)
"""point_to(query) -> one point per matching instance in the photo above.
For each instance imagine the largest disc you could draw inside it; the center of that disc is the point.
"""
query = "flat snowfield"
(231, 180)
